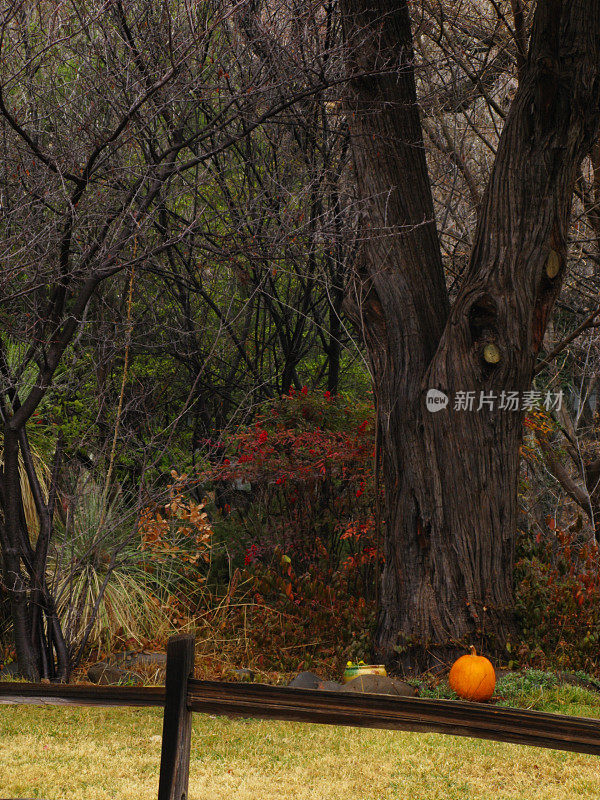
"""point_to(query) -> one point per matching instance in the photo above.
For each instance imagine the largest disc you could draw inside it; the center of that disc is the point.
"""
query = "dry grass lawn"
(113, 754)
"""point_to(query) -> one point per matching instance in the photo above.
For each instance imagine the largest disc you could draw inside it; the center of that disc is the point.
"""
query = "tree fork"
(451, 477)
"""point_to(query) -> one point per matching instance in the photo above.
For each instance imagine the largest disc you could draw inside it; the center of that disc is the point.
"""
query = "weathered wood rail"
(184, 695)
(477, 720)
(61, 694)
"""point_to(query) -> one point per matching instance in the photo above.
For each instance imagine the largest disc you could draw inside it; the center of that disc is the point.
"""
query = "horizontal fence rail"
(80, 695)
(478, 720)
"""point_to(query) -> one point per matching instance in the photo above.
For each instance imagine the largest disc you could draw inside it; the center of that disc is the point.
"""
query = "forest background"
(195, 445)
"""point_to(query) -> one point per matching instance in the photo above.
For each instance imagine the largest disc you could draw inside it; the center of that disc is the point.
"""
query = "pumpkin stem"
(473, 651)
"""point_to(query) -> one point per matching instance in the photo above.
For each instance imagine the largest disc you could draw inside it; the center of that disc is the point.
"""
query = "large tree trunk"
(451, 477)
(13, 539)
(39, 642)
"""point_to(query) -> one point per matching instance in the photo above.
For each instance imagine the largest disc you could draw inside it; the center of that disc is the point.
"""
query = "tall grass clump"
(117, 573)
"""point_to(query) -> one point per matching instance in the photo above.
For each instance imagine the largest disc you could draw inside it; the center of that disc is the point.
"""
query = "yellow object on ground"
(354, 670)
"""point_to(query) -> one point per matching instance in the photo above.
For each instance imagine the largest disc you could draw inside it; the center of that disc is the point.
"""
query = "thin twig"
(588, 322)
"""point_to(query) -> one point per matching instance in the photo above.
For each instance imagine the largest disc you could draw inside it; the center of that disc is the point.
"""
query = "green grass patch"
(62, 753)
(544, 691)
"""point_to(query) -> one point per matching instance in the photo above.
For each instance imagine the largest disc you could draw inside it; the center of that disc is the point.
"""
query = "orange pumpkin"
(472, 677)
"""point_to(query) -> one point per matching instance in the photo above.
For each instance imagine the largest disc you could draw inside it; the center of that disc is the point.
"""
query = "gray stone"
(150, 664)
(122, 657)
(308, 680)
(152, 659)
(330, 686)
(134, 658)
(305, 680)
(378, 684)
(105, 674)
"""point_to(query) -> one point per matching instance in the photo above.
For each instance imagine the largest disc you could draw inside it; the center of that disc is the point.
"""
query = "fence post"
(177, 721)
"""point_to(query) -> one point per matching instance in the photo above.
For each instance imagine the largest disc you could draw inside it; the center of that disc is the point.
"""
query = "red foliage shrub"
(558, 597)
(308, 460)
(311, 620)
(304, 540)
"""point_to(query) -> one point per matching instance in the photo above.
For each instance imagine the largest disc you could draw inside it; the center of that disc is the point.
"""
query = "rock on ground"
(330, 686)
(378, 684)
(105, 674)
(368, 684)
(305, 680)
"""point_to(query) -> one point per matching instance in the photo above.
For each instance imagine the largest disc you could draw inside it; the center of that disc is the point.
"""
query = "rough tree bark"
(451, 477)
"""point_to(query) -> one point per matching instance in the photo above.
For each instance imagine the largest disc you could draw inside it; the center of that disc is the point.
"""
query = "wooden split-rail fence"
(184, 695)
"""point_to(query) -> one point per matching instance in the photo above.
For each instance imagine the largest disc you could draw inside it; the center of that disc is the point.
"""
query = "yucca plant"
(100, 590)
(108, 587)
(104, 604)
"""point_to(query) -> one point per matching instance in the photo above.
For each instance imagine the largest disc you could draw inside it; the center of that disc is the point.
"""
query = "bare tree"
(451, 477)
(111, 115)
